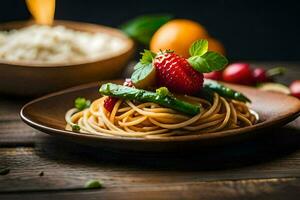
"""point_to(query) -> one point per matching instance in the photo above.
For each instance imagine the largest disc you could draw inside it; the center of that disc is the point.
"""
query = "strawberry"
(175, 73)
(178, 74)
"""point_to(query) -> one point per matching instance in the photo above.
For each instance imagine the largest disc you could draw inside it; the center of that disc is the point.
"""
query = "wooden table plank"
(16, 133)
(10, 107)
(272, 189)
(68, 165)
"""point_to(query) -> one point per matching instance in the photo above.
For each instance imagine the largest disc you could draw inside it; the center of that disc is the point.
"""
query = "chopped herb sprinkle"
(92, 184)
(76, 128)
(82, 103)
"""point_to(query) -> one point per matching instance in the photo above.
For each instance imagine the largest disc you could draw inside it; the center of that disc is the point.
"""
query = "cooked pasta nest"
(150, 120)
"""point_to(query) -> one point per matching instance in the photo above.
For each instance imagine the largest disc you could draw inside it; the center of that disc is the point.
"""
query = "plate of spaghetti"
(130, 118)
(166, 105)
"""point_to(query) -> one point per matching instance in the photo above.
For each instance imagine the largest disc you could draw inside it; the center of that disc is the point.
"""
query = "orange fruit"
(42, 11)
(215, 45)
(177, 35)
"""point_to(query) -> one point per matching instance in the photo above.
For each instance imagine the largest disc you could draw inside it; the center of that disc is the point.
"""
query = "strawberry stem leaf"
(147, 57)
(199, 48)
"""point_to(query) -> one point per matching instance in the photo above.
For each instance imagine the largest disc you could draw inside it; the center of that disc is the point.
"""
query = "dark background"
(250, 30)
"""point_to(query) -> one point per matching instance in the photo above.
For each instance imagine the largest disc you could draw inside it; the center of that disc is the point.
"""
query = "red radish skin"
(239, 73)
(216, 75)
(260, 75)
(295, 88)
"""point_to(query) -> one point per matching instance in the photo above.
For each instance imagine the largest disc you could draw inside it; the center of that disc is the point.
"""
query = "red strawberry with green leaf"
(178, 74)
(175, 73)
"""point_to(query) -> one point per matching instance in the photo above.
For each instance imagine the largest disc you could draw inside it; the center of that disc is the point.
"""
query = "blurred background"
(249, 30)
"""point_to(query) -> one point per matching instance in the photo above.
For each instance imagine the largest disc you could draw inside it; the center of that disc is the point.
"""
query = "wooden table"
(41, 166)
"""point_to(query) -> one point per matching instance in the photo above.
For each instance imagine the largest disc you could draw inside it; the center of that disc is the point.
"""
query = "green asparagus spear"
(130, 93)
(207, 94)
(224, 91)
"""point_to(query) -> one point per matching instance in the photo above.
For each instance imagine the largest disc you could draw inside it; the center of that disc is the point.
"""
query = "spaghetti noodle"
(150, 120)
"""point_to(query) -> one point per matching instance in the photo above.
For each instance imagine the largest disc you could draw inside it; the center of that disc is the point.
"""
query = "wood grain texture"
(263, 168)
(68, 166)
(273, 189)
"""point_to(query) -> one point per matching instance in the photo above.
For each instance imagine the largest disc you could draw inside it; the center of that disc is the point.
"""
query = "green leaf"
(138, 65)
(82, 103)
(199, 48)
(92, 184)
(210, 61)
(141, 72)
(147, 57)
(143, 27)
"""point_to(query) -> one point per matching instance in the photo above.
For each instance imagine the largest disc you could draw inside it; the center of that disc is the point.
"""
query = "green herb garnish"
(143, 27)
(163, 91)
(75, 128)
(92, 184)
(4, 171)
(205, 61)
(82, 103)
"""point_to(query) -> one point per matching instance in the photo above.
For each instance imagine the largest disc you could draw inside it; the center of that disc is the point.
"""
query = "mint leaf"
(210, 61)
(147, 57)
(142, 72)
(82, 103)
(143, 27)
(199, 48)
(199, 64)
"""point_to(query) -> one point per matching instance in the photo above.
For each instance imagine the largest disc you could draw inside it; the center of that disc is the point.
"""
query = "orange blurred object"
(215, 45)
(42, 11)
(177, 35)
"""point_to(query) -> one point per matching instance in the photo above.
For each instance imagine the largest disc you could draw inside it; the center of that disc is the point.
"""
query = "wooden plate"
(47, 114)
(36, 78)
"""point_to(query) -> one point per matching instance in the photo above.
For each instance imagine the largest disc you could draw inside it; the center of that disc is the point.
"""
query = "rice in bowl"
(56, 44)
